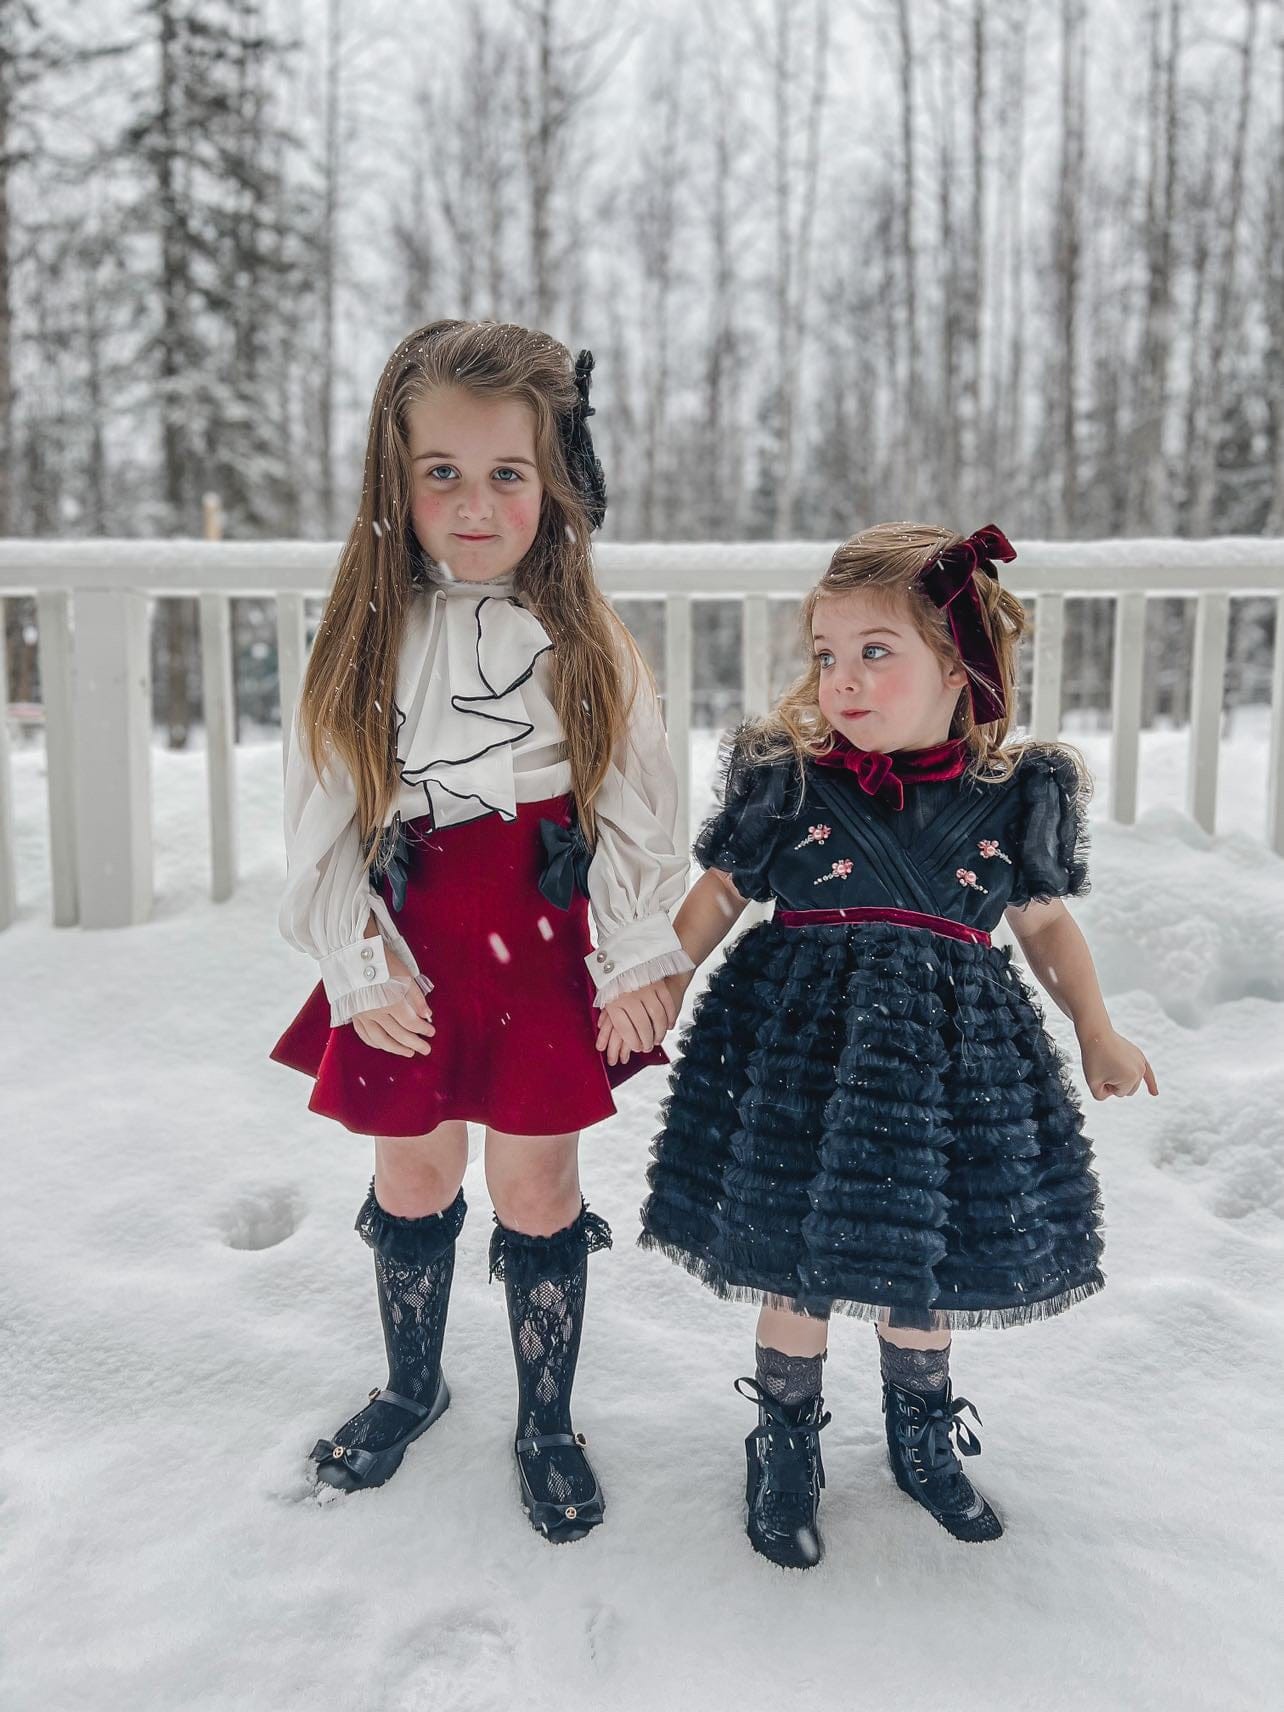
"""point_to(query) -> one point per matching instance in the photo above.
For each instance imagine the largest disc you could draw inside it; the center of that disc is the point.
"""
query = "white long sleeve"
(328, 900)
(477, 733)
(637, 879)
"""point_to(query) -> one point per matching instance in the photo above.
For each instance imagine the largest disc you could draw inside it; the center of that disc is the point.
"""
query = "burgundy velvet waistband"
(905, 918)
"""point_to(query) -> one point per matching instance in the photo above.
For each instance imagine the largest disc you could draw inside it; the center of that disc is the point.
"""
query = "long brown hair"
(347, 701)
(889, 557)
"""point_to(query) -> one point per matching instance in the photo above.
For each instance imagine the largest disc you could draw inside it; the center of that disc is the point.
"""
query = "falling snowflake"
(545, 927)
(502, 953)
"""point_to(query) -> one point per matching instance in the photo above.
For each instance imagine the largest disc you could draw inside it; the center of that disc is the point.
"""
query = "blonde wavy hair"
(349, 689)
(889, 558)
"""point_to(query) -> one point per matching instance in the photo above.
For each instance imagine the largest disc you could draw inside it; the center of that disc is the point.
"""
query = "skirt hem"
(957, 1319)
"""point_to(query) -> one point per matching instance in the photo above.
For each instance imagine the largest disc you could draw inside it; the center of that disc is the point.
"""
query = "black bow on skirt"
(566, 862)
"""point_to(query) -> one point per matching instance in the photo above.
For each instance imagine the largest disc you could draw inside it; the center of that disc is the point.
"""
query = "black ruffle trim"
(956, 1319)
(759, 800)
(524, 1261)
(872, 1118)
(415, 1241)
(1054, 839)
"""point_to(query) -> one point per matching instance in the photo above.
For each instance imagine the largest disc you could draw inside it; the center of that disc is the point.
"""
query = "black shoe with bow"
(784, 1476)
(545, 1279)
(921, 1431)
(414, 1262)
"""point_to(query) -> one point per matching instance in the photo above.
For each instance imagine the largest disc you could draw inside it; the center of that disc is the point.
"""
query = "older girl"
(477, 758)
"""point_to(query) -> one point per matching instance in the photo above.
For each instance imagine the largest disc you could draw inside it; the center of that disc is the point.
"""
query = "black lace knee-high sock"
(414, 1262)
(923, 1371)
(544, 1283)
(793, 1380)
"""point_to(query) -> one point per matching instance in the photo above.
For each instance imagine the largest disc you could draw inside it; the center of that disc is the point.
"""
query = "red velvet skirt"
(512, 999)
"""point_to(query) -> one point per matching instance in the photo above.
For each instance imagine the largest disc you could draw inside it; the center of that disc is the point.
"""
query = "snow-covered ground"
(186, 1308)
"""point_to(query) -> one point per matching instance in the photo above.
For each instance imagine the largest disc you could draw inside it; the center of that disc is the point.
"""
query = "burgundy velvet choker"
(885, 776)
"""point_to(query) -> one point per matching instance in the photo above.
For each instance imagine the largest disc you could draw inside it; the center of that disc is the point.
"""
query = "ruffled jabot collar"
(468, 652)
(885, 775)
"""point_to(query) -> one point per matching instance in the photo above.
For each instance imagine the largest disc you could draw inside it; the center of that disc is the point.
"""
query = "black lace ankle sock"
(790, 1379)
(414, 1262)
(917, 1370)
(544, 1283)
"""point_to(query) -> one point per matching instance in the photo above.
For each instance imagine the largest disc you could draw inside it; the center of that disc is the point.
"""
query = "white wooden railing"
(92, 622)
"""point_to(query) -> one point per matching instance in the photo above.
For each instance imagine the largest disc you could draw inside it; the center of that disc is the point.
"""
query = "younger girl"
(868, 1115)
(477, 755)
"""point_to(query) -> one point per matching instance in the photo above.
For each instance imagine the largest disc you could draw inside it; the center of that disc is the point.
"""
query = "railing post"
(677, 704)
(1275, 784)
(754, 661)
(53, 627)
(8, 839)
(1125, 739)
(219, 708)
(113, 797)
(1208, 678)
(291, 652)
(220, 741)
(1049, 653)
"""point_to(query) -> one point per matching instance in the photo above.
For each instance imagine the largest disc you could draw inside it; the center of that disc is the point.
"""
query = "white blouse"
(476, 734)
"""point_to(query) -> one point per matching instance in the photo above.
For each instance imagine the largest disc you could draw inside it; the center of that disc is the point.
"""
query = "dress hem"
(956, 1319)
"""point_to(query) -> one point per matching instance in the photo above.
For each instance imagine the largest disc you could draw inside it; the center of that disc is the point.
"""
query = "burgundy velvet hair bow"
(948, 582)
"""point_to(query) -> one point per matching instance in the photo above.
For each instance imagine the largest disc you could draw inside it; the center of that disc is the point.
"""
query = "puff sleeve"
(741, 838)
(328, 900)
(1052, 839)
(636, 878)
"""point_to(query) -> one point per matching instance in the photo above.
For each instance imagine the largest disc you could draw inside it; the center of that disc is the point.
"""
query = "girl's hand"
(636, 1022)
(611, 1041)
(402, 1028)
(1113, 1065)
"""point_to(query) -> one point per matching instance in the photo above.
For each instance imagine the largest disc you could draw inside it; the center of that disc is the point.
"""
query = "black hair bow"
(577, 444)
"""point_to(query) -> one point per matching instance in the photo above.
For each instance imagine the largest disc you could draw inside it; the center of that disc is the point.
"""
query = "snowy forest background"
(839, 260)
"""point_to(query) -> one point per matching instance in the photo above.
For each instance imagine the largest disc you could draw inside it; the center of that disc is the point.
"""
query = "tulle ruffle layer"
(901, 1134)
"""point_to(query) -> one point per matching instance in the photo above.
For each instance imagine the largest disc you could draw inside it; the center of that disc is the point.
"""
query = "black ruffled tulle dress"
(868, 1115)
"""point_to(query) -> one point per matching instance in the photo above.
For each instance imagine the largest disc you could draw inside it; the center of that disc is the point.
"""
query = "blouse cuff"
(347, 1005)
(634, 956)
(357, 978)
(353, 968)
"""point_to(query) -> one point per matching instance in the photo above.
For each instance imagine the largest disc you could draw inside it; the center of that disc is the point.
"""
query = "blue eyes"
(825, 659)
(444, 472)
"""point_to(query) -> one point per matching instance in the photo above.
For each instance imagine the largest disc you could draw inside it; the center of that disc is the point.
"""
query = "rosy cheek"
(896, 684)
(521, 515)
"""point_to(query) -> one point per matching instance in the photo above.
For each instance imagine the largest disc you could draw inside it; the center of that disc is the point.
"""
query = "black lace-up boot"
(414, 1261)
(923, 1422)
(544, 1282)
(785, 1473)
